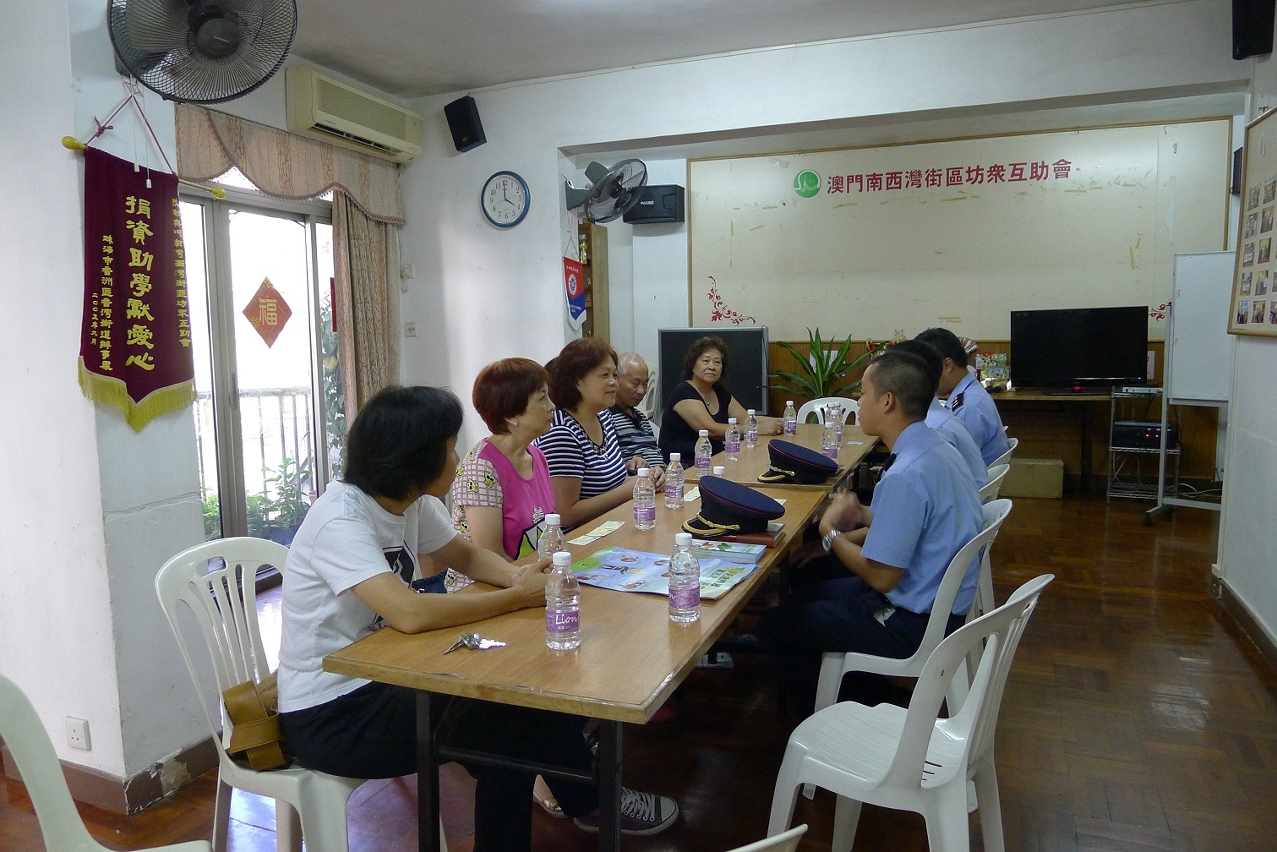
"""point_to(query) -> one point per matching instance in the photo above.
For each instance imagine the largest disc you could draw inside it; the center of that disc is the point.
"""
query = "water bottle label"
(791, 427)
(702, 462)
(562, 622)
(733, 446)
(674, 490)
(685, 598)
(831, 452)
(752, 437)
(645, 514)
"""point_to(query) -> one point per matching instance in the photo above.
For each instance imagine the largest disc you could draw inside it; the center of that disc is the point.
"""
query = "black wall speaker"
(1236, 188)
(1252, 27)
(463, 121)
(661, 203)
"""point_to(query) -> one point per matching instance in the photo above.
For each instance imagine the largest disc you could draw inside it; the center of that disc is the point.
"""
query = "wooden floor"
(1136, 718)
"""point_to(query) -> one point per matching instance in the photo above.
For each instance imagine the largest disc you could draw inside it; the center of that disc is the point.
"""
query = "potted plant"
(825, 369)
(284, 510)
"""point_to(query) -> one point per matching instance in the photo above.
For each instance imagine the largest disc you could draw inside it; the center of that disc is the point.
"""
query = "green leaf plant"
(824, 369)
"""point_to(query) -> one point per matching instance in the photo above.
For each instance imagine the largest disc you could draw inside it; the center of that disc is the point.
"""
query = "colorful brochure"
(637, 571)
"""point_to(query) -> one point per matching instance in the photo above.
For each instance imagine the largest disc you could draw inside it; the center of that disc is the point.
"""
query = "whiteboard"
(1199, 348)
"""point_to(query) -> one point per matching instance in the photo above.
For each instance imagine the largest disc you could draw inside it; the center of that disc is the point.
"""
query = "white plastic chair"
(997, 473)
(913, 759)
(786, 841)
(835, 665)
(32, 750)
(849, 407)
(223, 604)
(1005, 458)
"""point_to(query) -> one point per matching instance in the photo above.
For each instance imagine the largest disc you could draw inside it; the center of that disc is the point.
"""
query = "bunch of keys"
(475, 642)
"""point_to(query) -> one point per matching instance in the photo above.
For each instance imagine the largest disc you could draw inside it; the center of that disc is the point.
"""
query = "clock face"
(505, 199)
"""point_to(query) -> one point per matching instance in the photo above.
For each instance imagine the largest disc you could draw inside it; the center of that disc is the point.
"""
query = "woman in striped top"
(587, 471)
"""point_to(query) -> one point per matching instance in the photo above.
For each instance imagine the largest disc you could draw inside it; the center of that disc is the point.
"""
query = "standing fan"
(202, 51)
(612, 191)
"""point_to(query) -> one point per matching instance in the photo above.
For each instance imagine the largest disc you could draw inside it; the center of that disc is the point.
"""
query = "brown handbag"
(253, 712)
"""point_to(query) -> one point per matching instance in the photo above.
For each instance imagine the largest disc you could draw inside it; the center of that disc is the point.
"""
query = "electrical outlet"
(78, 733)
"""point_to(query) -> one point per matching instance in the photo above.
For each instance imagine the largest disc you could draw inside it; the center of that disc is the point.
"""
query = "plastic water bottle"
(704, 452)
(731, 442)
(685, 582)
(644, 500)
(751, 431)
(674, 482)
(829, 442)
(552, 539)
(791, 418)
(834, 413)
(562, 606)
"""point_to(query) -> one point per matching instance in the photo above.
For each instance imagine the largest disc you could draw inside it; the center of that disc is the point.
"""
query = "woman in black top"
(701, 402)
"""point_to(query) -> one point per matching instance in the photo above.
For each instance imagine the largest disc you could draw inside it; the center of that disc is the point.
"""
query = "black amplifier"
(1144, 435)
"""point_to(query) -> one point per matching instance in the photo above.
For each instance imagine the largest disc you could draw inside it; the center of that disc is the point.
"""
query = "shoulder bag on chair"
(253, 711)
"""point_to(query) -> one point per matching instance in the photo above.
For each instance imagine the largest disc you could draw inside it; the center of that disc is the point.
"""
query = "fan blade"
(596, 172)
(154, 26)
(632, 174)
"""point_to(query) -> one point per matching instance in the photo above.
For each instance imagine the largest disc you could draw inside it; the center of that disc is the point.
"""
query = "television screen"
(1079, 347)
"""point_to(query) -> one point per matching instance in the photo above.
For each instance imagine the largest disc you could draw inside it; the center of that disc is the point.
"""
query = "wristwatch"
(827, 540)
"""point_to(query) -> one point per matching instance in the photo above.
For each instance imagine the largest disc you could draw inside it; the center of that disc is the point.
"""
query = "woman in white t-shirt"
(348, 574)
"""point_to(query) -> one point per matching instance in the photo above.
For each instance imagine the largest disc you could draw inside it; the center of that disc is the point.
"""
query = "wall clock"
(505, 199)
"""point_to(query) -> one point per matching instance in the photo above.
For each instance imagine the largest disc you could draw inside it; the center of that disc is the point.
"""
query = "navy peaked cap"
(797, 464)
(729, 507)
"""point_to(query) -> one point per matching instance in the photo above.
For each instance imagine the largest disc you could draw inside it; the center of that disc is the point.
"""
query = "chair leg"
(829, 680)
(948, 827)
(325, 828)
(288, 828)
(846, 818)
(221, 815)
(786, 793)
(986, 782)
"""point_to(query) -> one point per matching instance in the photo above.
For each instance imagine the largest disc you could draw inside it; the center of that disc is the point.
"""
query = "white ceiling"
(411, 48)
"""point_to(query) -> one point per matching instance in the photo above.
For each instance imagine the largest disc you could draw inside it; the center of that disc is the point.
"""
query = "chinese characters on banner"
(949, 176)
(267, 312)
(135, 334)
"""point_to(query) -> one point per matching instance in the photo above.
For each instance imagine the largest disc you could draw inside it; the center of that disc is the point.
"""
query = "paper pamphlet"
(626, 570)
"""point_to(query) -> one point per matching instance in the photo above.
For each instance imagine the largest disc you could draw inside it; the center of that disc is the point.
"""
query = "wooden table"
(631, 659)
(855, 446)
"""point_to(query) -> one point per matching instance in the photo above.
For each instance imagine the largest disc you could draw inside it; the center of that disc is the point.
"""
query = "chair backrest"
(223, 604)
(29, 743)
(999, 631)
(997, 473)
(995, 513)
(973, 551)
(849, 407)
(786, 841)
(1005, 458)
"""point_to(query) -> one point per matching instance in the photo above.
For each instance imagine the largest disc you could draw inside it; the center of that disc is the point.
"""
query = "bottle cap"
(553, 519)
(676, 457)
(719, 470)
(731, 421)
(683, 539)
(789, 402)
(643, 471)
(704, 433)
(562, 557)
(750, 412)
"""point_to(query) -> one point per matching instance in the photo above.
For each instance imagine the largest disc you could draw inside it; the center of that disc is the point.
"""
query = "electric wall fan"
(201, 51)
(612, 191)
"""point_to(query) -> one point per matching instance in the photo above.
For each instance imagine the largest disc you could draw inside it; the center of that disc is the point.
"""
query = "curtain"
(367, 205)
(284, 165)
(367, 302)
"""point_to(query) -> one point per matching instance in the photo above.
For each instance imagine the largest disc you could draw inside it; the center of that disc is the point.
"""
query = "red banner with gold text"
(135, 339)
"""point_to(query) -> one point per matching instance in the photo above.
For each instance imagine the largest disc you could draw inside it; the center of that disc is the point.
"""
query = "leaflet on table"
(743, 554)
(636, 571)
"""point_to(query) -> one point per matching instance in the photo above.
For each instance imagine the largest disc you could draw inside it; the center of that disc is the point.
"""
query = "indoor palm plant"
(824, 370)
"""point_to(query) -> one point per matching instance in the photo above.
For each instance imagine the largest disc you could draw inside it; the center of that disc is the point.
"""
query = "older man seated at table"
(633, 429)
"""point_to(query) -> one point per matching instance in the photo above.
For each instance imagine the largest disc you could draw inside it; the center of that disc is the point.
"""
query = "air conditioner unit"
(330, 110)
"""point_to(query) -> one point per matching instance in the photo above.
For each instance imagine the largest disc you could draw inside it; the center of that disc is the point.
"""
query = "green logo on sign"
(807, 183)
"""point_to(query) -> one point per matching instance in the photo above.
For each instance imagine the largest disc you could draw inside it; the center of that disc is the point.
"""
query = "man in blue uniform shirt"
(967, 398)
(942, 419)
(925, 508)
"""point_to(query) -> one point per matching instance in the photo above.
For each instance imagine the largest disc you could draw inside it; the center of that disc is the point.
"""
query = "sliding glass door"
(269, 417)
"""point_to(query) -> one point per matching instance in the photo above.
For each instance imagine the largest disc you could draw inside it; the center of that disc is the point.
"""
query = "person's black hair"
(946, 343)
(928, 353)
(699, 348)
(398, 443)
(906, 376)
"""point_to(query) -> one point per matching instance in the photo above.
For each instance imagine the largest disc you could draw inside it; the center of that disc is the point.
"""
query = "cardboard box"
(1034, 478)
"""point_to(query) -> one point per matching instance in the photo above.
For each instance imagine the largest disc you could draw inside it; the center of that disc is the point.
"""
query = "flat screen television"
(1079, 347)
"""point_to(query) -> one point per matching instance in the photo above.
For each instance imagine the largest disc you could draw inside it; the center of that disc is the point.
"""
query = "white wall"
(1246, 561)
(90, 508)
(483, 293)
